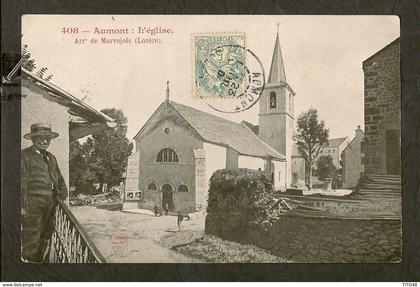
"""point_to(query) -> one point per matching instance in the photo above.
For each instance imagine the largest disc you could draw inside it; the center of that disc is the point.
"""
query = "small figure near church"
(181, 218)
(42, 182)
(166, 207)
(158, 212)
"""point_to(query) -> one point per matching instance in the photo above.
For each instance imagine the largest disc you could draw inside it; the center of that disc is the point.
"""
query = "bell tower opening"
(273, 100)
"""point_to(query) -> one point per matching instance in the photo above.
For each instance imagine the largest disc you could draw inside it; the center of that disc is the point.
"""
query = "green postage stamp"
(219, 65)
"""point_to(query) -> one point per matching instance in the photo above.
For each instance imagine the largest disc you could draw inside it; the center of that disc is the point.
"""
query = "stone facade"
(382, 85)
(352, 160)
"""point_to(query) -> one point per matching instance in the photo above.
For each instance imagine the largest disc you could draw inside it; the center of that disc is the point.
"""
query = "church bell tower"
(276, 110)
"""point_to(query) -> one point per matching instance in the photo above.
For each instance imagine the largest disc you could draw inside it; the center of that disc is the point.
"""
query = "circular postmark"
(237, 84)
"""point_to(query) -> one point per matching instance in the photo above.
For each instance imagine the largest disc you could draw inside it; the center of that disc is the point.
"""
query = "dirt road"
(148, 238)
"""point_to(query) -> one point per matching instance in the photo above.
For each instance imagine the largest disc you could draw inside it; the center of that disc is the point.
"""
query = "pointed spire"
(167, 91)
(277, 73)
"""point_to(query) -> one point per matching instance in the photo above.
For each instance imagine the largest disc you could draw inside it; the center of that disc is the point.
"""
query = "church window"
(182, 188)
(166, 130)
(273, 100)
(151, 186)
(167, 155)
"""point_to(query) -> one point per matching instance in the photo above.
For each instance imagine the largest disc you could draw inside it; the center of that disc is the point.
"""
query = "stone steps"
(377, 187)
(386, 176)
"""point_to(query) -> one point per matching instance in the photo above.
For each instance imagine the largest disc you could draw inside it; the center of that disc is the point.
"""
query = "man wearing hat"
(41, 182)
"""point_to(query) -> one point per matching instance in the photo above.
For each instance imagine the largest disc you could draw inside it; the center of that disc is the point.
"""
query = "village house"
(179, 148)
(382, 142)
(352, 160)
(71, 118)
(334, 149)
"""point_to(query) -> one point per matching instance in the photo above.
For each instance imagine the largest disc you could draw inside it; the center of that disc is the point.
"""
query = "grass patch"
(215, 250)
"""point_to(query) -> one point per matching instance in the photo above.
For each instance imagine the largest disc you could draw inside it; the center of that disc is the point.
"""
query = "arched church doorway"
(168, 196)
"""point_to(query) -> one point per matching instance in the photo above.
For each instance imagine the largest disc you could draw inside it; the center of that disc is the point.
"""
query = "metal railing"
(69, 242)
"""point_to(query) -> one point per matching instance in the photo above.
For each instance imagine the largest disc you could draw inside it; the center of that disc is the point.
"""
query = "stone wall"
(382, 87)
(304, 239)
(243, 208)
(332, 240)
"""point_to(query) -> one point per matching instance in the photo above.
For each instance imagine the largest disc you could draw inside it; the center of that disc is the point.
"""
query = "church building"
(179, 148)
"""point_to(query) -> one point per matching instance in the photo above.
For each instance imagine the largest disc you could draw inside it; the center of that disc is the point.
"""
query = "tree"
(103, 157)
(82, 177)
(326, 168)
(29, 64)
(311, 136)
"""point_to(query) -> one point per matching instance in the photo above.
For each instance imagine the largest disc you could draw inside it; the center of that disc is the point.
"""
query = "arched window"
(273, 99)
(167, 155)
(182, 188)
(151, 186)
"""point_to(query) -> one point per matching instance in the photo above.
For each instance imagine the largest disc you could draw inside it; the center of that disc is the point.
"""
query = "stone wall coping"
(321, 198)
(343, 217)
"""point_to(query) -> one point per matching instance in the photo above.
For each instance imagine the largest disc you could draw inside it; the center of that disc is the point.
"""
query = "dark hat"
(40, 129)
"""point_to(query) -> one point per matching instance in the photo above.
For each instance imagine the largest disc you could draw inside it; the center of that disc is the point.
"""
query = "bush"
(238, 199)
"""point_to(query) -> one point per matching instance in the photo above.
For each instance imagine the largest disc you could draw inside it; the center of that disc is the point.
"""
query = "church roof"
(254, 128)
(218, 130)
(277, 73)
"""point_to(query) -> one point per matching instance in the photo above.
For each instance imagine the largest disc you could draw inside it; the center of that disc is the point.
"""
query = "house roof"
(85, 119)
(336, 142)
(350, 143)
(223, 132)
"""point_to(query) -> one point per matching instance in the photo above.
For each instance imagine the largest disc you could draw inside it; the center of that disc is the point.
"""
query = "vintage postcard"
(210, 139)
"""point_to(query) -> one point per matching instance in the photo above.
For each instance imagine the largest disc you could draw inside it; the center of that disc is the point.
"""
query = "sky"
(322, 56)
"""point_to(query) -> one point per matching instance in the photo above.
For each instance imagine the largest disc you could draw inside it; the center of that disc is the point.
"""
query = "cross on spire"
(278, 25)
(167, 90)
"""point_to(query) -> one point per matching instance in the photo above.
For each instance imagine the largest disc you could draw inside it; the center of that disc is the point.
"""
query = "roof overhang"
(85, 119)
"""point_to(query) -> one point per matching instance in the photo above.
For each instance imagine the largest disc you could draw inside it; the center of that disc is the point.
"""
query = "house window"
(183, 188)
(167, 155)
(151, 186)
(273, 100)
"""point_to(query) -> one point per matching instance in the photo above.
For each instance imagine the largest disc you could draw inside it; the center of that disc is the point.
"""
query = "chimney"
(359, 132)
